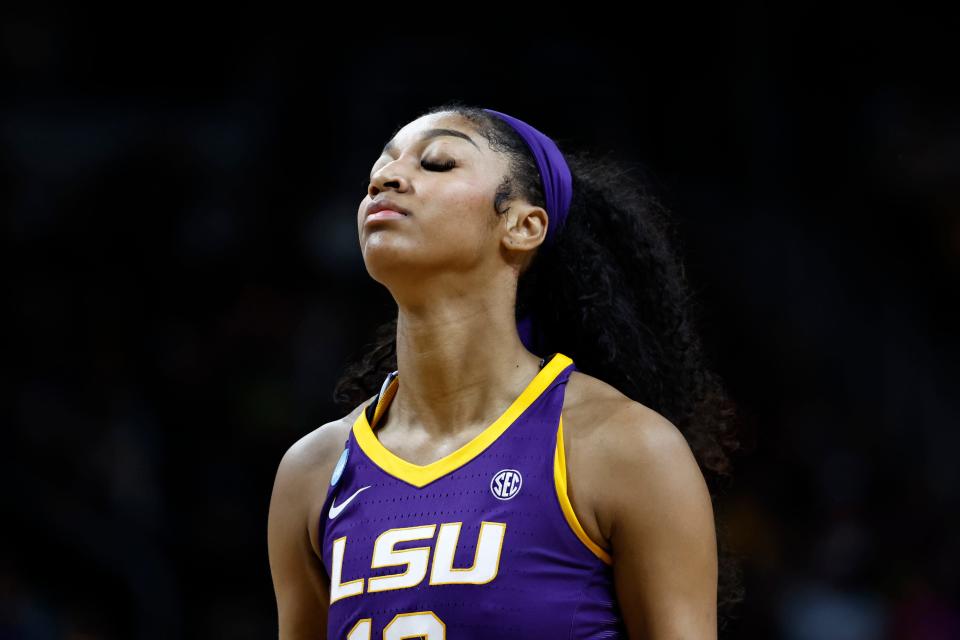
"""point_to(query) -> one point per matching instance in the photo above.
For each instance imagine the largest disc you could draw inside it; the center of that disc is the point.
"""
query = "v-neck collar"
(421, 475)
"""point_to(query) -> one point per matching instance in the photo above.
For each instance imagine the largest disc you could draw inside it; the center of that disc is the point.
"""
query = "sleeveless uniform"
(482, 543)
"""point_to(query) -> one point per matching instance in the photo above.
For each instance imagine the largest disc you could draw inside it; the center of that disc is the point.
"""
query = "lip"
(384, 204)
(384, 214)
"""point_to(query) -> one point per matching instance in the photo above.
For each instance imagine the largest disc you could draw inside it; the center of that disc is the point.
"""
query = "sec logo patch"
(505, 484)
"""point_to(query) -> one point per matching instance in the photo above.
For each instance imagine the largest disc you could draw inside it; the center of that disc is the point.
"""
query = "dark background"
(185, 284)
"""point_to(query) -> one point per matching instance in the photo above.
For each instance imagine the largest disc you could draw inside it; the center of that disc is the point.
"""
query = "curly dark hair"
(610, 292)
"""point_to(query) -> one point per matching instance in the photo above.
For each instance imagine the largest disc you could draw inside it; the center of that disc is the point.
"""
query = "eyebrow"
(433, 133)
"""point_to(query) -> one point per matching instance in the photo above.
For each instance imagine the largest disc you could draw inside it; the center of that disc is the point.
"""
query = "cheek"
(463, 211)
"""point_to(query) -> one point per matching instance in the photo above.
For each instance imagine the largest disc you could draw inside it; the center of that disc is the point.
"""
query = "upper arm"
(299, 579)
(662, 532)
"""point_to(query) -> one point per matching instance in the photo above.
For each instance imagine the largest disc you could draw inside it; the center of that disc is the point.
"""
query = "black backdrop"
(184, 284)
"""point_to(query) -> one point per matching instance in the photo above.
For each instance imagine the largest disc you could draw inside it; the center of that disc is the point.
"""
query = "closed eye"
(441, 166)
(446, 165)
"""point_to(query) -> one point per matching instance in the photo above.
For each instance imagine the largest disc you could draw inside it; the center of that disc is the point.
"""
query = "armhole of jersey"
(324, 510)
(560, 483)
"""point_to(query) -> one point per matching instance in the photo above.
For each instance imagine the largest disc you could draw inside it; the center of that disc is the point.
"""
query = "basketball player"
(490, 488)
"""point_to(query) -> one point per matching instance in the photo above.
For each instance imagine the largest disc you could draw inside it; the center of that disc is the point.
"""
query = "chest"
(477, 543)
(583, 410)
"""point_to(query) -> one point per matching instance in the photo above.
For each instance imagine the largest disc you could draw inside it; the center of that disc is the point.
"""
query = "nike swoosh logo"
(335, 509)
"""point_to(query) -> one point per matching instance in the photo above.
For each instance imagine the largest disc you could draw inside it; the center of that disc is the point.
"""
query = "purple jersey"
(482, 543)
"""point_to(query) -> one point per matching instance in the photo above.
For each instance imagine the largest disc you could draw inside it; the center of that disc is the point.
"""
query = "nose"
(387, 176)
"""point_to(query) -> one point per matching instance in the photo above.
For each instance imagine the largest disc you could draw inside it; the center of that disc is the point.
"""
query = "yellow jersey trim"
(421, 475)
(560, 483)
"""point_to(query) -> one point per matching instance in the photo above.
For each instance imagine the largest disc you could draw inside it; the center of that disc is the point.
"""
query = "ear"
(526, 226)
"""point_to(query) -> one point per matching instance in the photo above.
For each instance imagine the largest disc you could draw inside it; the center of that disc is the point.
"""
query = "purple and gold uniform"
(482, 543)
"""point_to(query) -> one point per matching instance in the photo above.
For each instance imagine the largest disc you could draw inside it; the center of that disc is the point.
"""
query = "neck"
(460, 367)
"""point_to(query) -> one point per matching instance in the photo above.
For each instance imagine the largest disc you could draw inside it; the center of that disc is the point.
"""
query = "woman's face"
(445, 174)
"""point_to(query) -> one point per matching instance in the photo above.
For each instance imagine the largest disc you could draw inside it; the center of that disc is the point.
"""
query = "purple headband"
(557, 188)
(554, 172)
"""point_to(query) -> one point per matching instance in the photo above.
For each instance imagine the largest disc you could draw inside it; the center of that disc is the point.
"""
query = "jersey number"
(420, 624)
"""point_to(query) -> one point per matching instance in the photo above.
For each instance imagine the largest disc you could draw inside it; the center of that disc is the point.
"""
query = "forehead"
(443, 125)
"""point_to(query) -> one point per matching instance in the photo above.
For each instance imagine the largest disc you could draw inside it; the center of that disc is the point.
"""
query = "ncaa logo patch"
(341, 464)
(505, 484)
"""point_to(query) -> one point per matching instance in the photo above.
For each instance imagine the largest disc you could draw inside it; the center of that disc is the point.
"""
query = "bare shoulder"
(299, 578)
(304, 470)
(316, 452)
(613, 437)
(654, 508)
(599, 412)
